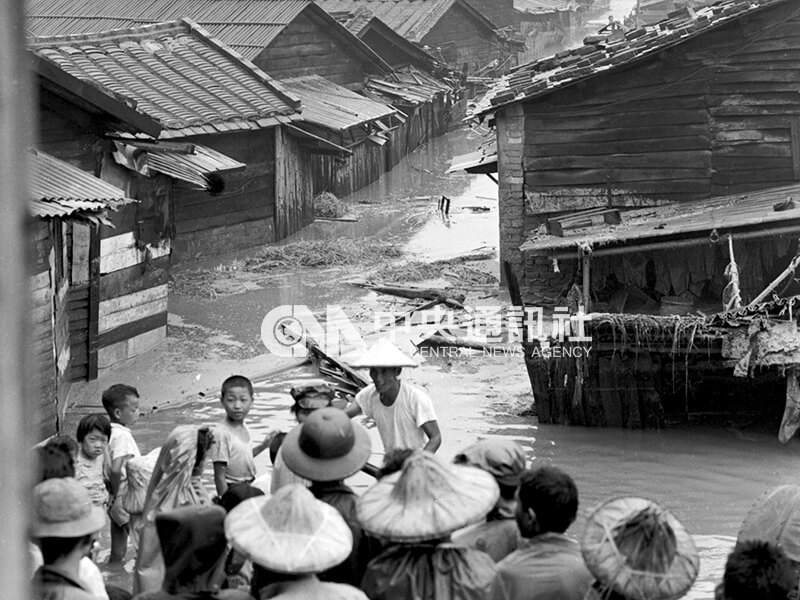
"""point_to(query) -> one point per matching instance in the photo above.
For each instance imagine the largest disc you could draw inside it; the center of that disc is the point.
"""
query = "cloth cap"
(327, 446)
(290, 532)
(313, 394)
(426, 500)
(775, 518)
(504, 459)
(383, 353)
(62, 508)
(639, 550)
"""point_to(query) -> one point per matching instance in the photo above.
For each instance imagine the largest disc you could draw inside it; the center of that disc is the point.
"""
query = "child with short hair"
(122, 405)
(231, 453)
(93, 434)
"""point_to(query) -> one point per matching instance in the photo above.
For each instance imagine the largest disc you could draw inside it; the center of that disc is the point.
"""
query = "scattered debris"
(454, 270)
(322, 253)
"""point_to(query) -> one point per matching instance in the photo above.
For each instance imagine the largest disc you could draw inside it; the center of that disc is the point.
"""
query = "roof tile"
(175, 73)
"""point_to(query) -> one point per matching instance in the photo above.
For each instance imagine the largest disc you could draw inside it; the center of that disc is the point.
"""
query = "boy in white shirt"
(122, 405)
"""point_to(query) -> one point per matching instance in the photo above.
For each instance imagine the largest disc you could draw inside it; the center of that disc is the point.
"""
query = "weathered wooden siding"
(240, 217)
(67, 133)
(499, 12)
(305, 47)
(293, 184)
(423, 123)
(343, 176)
(713, 116)
(462, 41)
(41, 333)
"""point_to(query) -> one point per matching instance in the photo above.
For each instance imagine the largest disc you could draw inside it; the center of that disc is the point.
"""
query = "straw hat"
(426, 500)
(327, 446)
(639, 550)
(62, 508)
(383, 353)
(775, 518)
(504, 459)
(290, 532)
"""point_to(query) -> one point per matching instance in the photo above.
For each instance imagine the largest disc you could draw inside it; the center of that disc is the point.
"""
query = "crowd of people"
(485, 526)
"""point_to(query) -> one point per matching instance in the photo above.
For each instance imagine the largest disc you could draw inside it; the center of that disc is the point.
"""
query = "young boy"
(122, 405)
(231, 452)
(93, 433)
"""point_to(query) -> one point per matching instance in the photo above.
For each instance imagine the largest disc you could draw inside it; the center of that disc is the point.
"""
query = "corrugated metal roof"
(57, 189)
(248, 26)
(332, 106)
(176, 74)
(542, 77)
(723, 214)
(537, 7)
(407, 86)
(413, 19)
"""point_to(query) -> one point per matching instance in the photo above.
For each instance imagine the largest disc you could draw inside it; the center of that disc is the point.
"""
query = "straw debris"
(322, 253)
(454, 270)
(329, 206)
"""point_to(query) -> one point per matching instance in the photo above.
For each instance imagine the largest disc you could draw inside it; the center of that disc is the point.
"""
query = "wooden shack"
(452, 30)
(203, 95)
(666, 120)
(549, 26)
(674, 112)
(67, 206)
(284, 38)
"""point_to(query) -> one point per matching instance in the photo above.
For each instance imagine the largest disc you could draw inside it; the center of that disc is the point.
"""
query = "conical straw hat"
(383, 353)
(290, 532)
(639, 550)
(775, 518)
(426, 500)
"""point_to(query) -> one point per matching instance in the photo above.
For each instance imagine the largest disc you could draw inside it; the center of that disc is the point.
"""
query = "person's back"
(548, 565)
(429, 571)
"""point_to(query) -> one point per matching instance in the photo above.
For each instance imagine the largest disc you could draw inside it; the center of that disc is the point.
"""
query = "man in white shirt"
(402, 412)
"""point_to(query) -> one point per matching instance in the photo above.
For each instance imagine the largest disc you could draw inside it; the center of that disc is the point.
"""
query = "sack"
(139, 470)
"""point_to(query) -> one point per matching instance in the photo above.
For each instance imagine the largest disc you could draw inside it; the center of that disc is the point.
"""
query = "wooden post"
(16, 438)
(587, 281)
(94, 302)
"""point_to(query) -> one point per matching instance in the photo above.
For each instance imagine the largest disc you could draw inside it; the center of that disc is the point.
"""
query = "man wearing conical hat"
(402, 412)
(414, 511)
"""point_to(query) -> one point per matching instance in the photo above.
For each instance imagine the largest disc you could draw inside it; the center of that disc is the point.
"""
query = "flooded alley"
(709, 475)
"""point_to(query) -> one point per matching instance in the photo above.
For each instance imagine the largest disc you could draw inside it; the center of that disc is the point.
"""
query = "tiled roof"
(567, 68)
(176, 74)
(57, 189)
(412, 19)
(332, 106)
(247, 26)
(685, 219)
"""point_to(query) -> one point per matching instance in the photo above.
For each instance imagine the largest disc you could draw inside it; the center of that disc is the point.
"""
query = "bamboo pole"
(784, 274)
(15, 434)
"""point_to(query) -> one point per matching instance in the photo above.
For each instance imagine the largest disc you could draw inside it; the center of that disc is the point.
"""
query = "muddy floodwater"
(708, 475)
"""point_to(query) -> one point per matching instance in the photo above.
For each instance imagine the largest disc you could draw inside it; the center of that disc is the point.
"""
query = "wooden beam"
(19, 412)
(94, 302)
(796, 147)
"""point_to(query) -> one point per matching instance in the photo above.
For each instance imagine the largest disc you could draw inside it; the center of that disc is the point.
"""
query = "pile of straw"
(454, 270)
(328, 205)
(322, 253)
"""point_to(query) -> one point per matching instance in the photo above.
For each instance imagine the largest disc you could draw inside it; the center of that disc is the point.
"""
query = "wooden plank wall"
(242, 216)
(41, 331)
(344, 176)
(67, 133)
(500, 12)
(462, 41)
(711, 117)
(294, 185)
(305, 47)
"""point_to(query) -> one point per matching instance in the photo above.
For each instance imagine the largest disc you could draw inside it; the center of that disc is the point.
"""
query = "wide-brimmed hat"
(327, 446)
(639, 550)
(775, 518)
(504, 459)
(62, 508)
(427, 499)
(313, 394)
(383, 353)
(290, 532)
